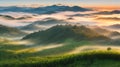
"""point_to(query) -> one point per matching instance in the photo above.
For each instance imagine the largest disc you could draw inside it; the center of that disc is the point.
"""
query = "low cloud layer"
(85, 18)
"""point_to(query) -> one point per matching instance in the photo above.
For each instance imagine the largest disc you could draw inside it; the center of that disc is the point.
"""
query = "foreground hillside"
(88, 59)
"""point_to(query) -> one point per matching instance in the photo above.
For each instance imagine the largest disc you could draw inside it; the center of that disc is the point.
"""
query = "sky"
(96, 4)
(70, 2)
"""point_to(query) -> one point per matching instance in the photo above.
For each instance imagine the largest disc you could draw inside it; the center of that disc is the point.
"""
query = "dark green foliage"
(109, 48)
(88, 59)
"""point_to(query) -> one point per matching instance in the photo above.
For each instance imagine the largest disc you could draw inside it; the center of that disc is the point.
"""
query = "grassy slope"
(10, 50)
(88, 59)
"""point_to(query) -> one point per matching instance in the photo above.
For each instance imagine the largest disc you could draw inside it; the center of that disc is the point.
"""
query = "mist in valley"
(31, 34)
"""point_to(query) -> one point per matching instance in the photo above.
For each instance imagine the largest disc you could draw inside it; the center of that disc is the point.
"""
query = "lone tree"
(109, 48)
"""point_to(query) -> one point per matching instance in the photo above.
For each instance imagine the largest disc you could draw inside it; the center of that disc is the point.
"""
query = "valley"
(59, 36)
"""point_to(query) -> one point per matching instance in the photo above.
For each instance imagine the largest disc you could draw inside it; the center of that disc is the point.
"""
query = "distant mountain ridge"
(115, 26)
(43, 10)
(108, 12)
(13, 18)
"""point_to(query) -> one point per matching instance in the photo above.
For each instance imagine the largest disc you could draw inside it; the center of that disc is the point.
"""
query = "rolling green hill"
(88, 59)
(60, 33)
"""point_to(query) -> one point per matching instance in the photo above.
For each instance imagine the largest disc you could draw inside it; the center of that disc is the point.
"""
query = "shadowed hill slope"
(9, 31)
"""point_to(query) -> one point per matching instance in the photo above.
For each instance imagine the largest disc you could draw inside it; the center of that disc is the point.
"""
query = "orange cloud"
(104, 7)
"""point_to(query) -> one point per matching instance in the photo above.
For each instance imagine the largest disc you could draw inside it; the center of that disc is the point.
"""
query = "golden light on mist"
(104, 7)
